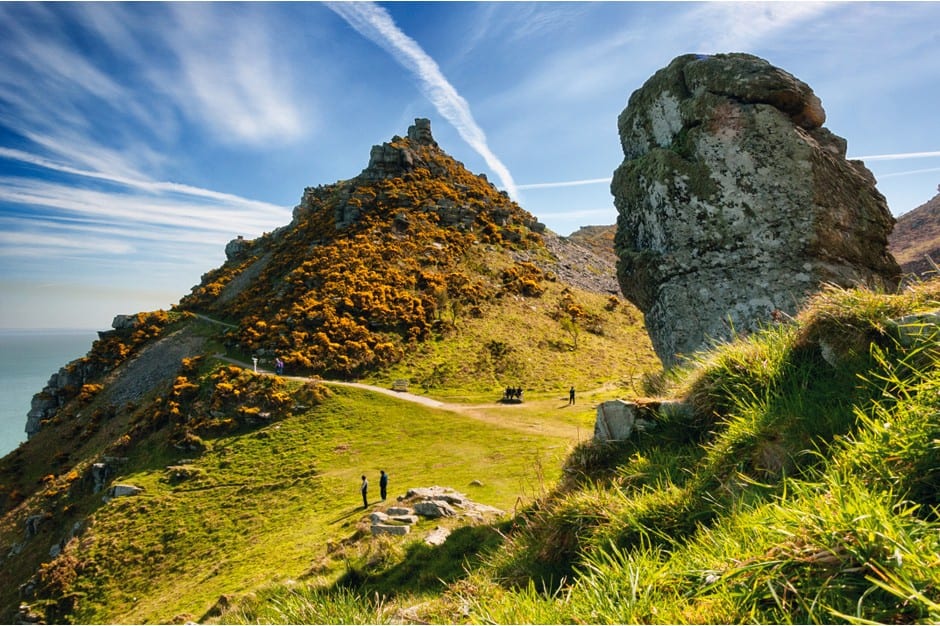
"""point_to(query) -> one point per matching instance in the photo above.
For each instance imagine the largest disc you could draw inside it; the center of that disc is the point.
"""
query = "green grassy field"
(264, 506)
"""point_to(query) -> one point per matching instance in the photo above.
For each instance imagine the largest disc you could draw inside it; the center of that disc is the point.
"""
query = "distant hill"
(599, 239)
(917, 235)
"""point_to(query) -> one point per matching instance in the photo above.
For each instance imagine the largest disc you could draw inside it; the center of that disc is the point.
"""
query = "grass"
(533, 351)
(802, 488)
(840, 526)
(265, 505)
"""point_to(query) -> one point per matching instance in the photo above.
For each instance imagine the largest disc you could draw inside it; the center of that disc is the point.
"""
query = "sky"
(137, 139)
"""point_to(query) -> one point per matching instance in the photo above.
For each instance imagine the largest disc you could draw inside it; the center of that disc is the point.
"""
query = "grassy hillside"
(802, 488)
(273, 503)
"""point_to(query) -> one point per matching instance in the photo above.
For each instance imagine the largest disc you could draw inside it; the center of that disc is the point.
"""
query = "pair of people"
(364, 488)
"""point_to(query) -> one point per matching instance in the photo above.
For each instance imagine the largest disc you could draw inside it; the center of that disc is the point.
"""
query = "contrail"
(876, 157)
(897, 157)
(567, 183)
(910, 172)
(374, 23)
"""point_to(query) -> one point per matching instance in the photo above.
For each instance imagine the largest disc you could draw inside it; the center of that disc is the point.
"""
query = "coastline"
(30, 357)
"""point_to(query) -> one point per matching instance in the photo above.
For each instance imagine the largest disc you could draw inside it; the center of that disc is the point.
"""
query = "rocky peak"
(420, 132)
(390, 160)
(735, 202)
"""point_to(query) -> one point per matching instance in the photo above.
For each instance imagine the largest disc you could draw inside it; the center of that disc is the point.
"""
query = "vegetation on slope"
(801, 489)
(343, 297)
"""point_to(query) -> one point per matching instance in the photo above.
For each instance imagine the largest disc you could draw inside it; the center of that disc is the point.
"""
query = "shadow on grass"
(426, 568)
(354, 511)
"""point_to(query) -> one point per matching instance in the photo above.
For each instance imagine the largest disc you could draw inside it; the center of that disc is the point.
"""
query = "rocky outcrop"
(735, 203)
(429, 503)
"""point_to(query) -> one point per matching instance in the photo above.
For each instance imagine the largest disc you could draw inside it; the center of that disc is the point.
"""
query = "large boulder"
(735, 203)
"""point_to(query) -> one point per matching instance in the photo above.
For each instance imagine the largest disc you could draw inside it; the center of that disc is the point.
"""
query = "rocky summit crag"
(735, 203)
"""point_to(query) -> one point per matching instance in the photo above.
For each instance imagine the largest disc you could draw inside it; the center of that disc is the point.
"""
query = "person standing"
(364, 488)
(571, 396)
(383, 483)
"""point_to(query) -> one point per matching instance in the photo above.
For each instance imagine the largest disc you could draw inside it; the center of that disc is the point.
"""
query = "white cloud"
(139, 209)
(374, 23)
(736, 26)
(41, 244)
(143, 184)
(230, 76)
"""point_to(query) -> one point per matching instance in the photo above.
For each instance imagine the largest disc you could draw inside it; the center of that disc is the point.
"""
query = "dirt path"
(505, 416)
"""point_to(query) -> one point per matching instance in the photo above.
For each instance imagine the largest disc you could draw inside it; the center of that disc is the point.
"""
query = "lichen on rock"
(735, 202)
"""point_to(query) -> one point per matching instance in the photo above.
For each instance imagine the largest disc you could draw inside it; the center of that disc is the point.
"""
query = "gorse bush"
(345, 300)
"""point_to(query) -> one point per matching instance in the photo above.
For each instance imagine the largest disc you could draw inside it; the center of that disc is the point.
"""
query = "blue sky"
(137, 139)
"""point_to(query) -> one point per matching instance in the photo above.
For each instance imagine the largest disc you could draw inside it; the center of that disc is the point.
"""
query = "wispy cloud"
(123, 208)
(228, 75)
(724, 26)
(142, 184)
(374, 23)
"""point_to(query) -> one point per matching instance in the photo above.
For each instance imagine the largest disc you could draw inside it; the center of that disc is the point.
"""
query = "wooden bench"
(400, 385)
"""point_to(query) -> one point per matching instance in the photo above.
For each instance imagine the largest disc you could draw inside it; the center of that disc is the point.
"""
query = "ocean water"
(27, 359)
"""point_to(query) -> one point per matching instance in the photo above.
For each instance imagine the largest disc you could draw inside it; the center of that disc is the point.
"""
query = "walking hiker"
(279, 366)
(571, 396)
(364, 488)
(383, 483)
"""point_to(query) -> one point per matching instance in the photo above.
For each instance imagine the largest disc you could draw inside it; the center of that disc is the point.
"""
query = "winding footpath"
(505, 416)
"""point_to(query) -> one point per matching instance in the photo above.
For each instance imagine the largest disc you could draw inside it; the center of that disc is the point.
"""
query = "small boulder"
(434, 509)
(390, 529)
(398, 510)
(122, 491)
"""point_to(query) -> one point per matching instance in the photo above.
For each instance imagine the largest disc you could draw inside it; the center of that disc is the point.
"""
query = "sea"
(28, 358)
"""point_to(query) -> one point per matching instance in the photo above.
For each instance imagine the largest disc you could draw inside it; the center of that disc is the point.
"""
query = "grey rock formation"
(735, 202)
(432, 503)
(618, 419)
(434, 508)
